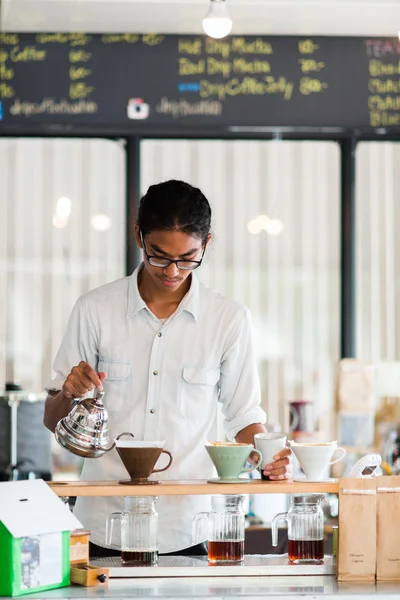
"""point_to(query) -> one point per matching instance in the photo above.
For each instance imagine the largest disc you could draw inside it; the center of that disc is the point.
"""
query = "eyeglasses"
(163, 263)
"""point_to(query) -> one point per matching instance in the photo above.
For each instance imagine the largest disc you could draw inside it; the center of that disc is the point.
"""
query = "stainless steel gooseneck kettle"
(84, 431)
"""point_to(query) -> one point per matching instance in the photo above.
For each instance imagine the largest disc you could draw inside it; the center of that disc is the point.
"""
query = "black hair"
(175, 205)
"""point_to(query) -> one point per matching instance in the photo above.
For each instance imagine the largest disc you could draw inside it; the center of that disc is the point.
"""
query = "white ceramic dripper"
(315, 458)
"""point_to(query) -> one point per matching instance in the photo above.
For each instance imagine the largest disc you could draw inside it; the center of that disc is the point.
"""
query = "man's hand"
(81, 380)
(281, 468)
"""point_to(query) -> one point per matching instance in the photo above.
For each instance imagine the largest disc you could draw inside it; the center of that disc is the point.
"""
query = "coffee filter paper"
(135, 444)
(310, 444)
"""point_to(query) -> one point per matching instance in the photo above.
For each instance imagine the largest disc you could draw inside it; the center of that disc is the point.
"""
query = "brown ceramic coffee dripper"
(139, 459)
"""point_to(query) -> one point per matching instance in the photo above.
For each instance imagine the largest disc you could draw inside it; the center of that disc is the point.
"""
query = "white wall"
(44, 269)
(257, 17)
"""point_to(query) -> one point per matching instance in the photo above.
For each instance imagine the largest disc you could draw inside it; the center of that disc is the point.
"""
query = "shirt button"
(152, 411)
(160, 334)
(155, 372)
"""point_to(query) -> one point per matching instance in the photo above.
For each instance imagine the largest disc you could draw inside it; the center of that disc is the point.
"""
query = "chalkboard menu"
(132, 81)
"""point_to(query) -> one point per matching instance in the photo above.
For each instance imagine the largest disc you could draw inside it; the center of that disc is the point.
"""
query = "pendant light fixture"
(217, 23)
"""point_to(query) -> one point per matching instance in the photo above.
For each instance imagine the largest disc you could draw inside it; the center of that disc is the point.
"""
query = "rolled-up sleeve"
(240, 393)
(79, 344)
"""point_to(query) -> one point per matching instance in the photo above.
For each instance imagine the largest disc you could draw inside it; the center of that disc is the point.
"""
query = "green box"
(35, 530)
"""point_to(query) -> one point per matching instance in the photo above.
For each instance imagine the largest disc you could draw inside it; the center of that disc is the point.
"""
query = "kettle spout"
(117, 438)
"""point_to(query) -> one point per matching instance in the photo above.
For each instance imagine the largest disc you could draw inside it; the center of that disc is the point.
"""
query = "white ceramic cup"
(315, 458)
(269, 444)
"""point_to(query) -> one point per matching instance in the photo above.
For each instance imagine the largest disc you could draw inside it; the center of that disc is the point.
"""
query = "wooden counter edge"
(189, 488)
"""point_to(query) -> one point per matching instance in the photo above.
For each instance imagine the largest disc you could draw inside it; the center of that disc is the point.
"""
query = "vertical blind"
(289, 281)
(378, 251)
(44, 268)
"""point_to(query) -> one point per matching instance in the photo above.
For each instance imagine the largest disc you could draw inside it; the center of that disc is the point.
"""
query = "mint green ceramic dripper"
(230, 460)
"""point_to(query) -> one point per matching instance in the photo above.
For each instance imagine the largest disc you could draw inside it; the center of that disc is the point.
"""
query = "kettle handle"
(118, 436)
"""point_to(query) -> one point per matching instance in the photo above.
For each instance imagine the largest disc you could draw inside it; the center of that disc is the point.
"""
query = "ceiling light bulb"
(101, 222)
(59, 222)
(253, 227)
(275, 227)
(217, 23)
(263, 221)
(63, 209)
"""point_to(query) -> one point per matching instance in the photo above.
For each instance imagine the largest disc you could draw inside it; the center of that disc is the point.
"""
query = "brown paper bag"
(388, 529)
(356, 560)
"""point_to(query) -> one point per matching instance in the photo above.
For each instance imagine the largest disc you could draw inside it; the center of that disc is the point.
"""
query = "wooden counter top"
(189, 488)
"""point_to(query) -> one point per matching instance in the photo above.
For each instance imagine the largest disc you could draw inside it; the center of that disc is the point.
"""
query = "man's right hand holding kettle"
(81, 380)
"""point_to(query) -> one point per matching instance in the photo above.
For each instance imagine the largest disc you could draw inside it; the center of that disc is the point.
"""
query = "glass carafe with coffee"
(225, 524)
(138, 531)
(305, 521)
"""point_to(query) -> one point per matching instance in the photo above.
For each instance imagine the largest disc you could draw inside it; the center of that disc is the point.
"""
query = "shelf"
(253, 565)
(196, 487)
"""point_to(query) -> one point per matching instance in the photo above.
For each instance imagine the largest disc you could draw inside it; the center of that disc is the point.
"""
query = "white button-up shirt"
(164, 382)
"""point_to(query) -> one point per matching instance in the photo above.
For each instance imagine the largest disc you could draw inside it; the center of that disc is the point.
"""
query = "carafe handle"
(110, 526)
(168, 465)
(196, 526)
(274, 527)
(248, 469)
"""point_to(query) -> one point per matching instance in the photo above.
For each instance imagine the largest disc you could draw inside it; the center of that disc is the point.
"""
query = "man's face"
(170, 245)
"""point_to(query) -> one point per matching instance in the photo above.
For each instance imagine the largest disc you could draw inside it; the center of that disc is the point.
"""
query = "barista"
(167, 350)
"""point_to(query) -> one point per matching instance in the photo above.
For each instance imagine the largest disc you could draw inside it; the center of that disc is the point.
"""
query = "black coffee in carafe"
(138, 531)
(139, 558)
(226, 550)
(300, 551)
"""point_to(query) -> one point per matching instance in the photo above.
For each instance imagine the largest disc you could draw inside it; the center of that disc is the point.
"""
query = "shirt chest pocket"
(116, 385)
(198, 391)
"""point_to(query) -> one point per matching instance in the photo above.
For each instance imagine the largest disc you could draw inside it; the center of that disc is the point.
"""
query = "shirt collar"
(190, 302)
(135, 300)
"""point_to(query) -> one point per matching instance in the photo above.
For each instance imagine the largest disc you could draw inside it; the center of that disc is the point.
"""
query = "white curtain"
(378, 251)
(289, 281)
(44, 268)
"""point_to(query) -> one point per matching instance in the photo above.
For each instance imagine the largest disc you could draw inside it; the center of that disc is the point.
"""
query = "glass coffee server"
(138, 530)
(226, 523)
(305, 520)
